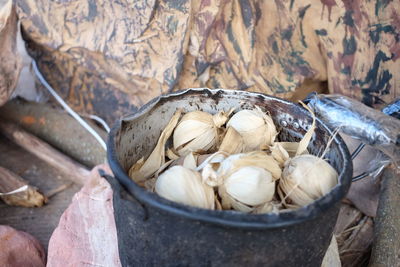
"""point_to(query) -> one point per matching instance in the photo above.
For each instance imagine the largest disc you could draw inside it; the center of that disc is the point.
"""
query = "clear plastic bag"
(361, 122)
(375, 166)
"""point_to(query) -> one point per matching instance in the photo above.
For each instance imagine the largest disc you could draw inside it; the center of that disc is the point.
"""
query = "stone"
(86, 234)
(20, 249)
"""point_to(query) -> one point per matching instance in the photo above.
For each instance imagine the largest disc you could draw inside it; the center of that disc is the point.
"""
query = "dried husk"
(306, 178)
(181, 160)
(218, 166)
(29, 198)
(218, 205)
(15, 191)
(332, 256)
(209, 169)
(305, 141)
(184, 186)
(257, 129)
(202, 158)
(257, 159)
(162, 168)
(190, 161)
(198, 132)
(149, 184)
(279, 153)
(292, 147)
(273, 206)
(142, 170)
(171, 154)
(282, 151)
(232, 143)
(209, 174)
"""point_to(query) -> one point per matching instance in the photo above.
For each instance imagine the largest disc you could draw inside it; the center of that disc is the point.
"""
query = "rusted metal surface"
(56, 128)
(386, 248)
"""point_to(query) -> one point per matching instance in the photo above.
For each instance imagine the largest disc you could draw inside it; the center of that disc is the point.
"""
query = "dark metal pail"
(153, 231)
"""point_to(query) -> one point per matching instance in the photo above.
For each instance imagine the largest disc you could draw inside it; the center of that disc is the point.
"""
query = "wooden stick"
(74, 171)
(28, 196)
(57, 190)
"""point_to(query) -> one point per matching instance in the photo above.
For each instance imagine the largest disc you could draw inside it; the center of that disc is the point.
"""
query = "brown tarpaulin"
(110, 57)
(10, 62)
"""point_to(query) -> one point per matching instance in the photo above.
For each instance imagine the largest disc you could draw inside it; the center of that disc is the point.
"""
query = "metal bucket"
(153, 231)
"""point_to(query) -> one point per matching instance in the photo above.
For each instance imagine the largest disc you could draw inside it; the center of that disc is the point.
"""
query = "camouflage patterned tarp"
(10, 62)
(110, 57)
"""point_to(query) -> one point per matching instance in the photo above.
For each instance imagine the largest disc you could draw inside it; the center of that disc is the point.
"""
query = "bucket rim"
(230, 218)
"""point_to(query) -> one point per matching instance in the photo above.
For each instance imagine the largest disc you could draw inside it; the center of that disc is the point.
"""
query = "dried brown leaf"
(157, 156)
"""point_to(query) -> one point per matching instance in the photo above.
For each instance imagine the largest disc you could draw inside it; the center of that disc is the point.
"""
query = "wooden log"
(386, 247)
(75, 171)
(55, 127)
(28, 196)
